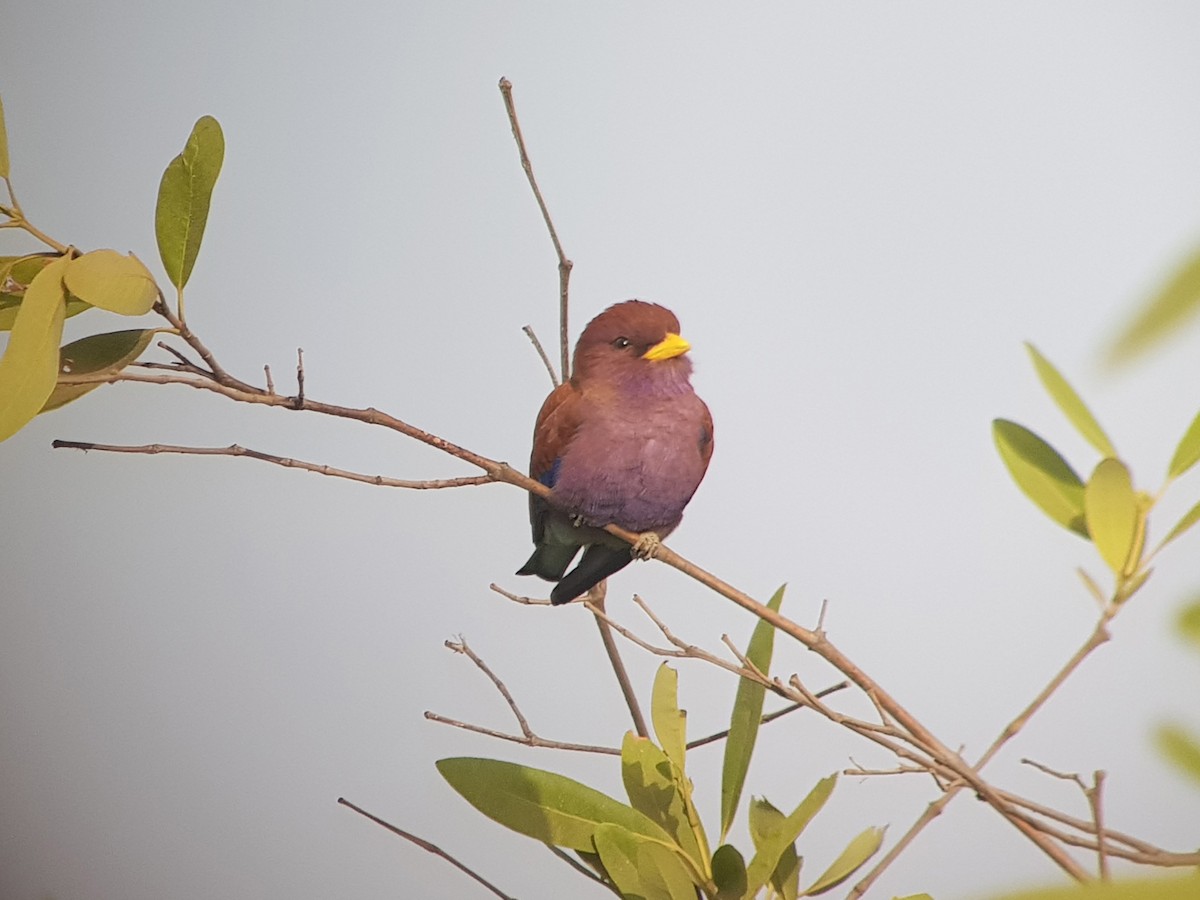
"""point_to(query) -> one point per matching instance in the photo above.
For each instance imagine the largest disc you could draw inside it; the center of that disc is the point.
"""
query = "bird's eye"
(621, 343)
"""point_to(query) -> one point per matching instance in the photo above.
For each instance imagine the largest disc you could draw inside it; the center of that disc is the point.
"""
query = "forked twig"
(564, 265)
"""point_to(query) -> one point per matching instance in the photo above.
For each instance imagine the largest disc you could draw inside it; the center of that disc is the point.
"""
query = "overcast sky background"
(858, 211)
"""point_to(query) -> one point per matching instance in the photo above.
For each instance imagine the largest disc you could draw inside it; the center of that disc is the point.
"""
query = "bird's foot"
(646, 546)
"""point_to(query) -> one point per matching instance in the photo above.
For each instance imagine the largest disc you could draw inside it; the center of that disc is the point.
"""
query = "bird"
(624, 441)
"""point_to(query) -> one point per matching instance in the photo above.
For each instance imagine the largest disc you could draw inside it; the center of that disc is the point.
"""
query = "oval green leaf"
(1188, 624)
(1041, 474)
(1112, 514)
(29, 367)
(746, 717)
(184, 195)
(857, 852)
(1070, 402)
(641, 867)
(1188, 451)
(1181, 748)
(774, 841)
(646, 772)
(1176, 302)
(729, 873)
(765, 819)
(92, 355)
(110, 280)
(670, 722)
(551, 808)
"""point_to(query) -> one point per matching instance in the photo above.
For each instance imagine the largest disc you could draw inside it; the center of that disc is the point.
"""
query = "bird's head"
(635, 347)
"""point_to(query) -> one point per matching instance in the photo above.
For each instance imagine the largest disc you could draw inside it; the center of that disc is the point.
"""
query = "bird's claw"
(646, 546)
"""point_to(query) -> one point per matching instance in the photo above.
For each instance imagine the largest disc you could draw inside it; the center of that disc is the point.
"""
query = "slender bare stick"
(461, 647)
(527, 740)
(286, 462)
(537, 345)
(1095, 796)
(564, 265)
(427, 846)
(596, 598)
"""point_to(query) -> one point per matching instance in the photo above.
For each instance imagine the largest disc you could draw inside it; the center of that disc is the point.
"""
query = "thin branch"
(299, 378)
(527, 736)
(564, 265)
(427, 846)
(531, 740)
(595, 603)
(769, 717)
(270, 380)
(1098, 636)
(461, 647)
(1095, 797)
(286, 462)
(541, 351)
(580, 867)
(517, 598)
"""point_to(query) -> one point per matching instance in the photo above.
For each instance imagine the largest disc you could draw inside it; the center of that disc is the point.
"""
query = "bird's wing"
(557, 423)
(706, 435)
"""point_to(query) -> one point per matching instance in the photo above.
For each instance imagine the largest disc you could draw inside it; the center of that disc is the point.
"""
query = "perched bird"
(625, 441)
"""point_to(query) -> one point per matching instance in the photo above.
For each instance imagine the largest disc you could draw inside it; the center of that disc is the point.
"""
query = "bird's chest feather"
(637, 470)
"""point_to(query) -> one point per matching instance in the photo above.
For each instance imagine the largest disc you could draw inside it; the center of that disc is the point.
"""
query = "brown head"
(636, 346)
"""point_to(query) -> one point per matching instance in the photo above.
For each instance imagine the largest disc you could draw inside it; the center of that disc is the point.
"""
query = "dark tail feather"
(599, 561)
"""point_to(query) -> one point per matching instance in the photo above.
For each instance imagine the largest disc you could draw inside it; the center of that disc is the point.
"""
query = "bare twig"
(270, 380)
(461, 647)
(1095, 797)
(527, 736)
(769, 717)
(564, 265)
(286, 462)
(596, 597)
(531, 740)
(299, 378)
(541, 351)
(580, 867)
(517, 598)
(427, 846)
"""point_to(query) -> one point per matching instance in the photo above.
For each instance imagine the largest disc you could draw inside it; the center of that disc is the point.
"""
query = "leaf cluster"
(655, 847)
(39, 291)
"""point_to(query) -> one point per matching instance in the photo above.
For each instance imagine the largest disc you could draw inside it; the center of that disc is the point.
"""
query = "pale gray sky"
(858, 212)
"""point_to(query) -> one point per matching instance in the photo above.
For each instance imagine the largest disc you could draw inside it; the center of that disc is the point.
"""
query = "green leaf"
(1188, 624)
(109, 280)
(549, 807)
(183, 199)
(1070, 403)
(774, 841)
(1112, 515)
(765, 819)
(746, 717)
(1180, 748)
(670, 722)
(670, 725)
(4, 172)
(16, 274)
(1190, 518)
(646, 772)
(1176, 302)
(857, 852)
(642, 868)
(1041, 474)
(29, 367)
(92, 355)
(1188, 451)
(729, 873)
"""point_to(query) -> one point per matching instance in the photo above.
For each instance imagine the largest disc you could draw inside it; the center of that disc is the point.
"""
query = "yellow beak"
(668, 348)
